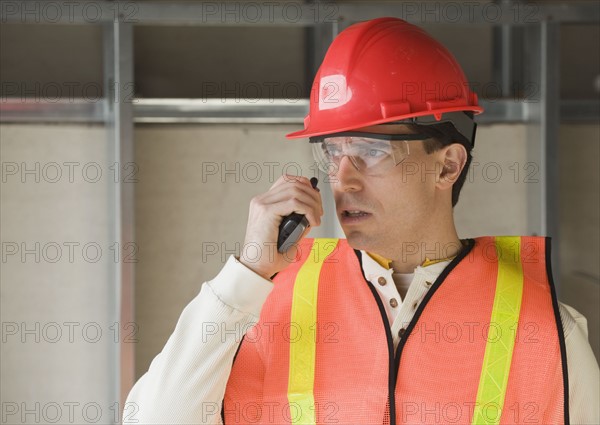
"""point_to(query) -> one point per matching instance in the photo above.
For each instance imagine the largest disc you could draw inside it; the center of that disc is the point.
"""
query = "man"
(370, 329)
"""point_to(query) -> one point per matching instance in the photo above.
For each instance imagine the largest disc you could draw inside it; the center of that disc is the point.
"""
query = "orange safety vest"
(485, 345)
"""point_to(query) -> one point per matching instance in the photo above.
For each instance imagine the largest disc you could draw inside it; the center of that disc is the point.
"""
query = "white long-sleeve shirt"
(186, 382)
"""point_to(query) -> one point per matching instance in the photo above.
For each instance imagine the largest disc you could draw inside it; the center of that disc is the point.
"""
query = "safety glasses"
(370, 153)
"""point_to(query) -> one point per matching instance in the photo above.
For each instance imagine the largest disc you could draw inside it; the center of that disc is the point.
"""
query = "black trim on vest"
(390, 342)
(395, 359)
(462, 254)
(232, 362)
(438, 282)
(560, 329)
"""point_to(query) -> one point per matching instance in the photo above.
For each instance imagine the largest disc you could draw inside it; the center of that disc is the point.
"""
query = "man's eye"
(372, 152)
(376, 153)
(333, 150)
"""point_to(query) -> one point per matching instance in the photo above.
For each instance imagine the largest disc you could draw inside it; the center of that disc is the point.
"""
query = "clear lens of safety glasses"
(371, 153)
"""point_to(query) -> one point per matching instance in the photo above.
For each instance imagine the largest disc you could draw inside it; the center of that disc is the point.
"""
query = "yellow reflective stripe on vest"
(502, 332)
(302, 338)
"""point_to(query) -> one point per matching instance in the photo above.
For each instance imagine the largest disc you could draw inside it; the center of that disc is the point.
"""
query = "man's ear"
(453, 158)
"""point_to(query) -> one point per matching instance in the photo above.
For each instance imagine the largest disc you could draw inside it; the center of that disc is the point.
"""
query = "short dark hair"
(445, 134)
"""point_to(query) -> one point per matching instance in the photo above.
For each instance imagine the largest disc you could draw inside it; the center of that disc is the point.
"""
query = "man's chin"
(359, 240)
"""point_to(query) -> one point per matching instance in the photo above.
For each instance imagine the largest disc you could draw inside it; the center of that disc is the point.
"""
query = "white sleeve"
(582, 369)
(186, 381)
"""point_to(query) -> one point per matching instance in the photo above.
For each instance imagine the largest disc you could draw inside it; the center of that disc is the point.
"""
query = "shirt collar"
(374, 266)
(382, 261)
(387, 263)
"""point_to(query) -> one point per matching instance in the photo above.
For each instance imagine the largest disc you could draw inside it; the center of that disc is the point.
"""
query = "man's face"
(398, 204)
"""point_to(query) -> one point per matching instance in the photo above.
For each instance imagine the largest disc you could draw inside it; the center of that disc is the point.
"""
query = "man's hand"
(288, 194)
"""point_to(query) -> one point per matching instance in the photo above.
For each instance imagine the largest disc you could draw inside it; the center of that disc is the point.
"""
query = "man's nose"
(347, 177)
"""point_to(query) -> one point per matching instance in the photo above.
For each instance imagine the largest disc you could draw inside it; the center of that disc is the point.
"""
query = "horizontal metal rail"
(264, 111)
(276, 13)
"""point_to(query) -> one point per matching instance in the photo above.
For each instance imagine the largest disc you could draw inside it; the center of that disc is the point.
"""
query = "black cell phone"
(292, 226)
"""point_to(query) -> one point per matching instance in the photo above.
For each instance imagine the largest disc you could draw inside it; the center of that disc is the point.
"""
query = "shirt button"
(393, 302)
(401, 332)
(427, 283)
(415, 305)
(381, 281)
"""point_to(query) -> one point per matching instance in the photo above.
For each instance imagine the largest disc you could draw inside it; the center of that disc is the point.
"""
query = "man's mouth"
(354, 213)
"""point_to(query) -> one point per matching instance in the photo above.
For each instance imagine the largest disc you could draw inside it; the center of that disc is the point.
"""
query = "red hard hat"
(381, 71)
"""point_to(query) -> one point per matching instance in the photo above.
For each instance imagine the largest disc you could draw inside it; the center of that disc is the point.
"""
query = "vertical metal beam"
(326, 32)
(550, 51)
(543, 97)
(318, 39)
(503, 55)
(508, 54)
(118, 109)
(508, 60)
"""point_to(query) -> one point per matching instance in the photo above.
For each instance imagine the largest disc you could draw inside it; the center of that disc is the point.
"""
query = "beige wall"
(57, 310)
(493, 200)
(579, 153)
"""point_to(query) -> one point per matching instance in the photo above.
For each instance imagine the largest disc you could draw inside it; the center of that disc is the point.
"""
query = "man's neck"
(414, 254)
